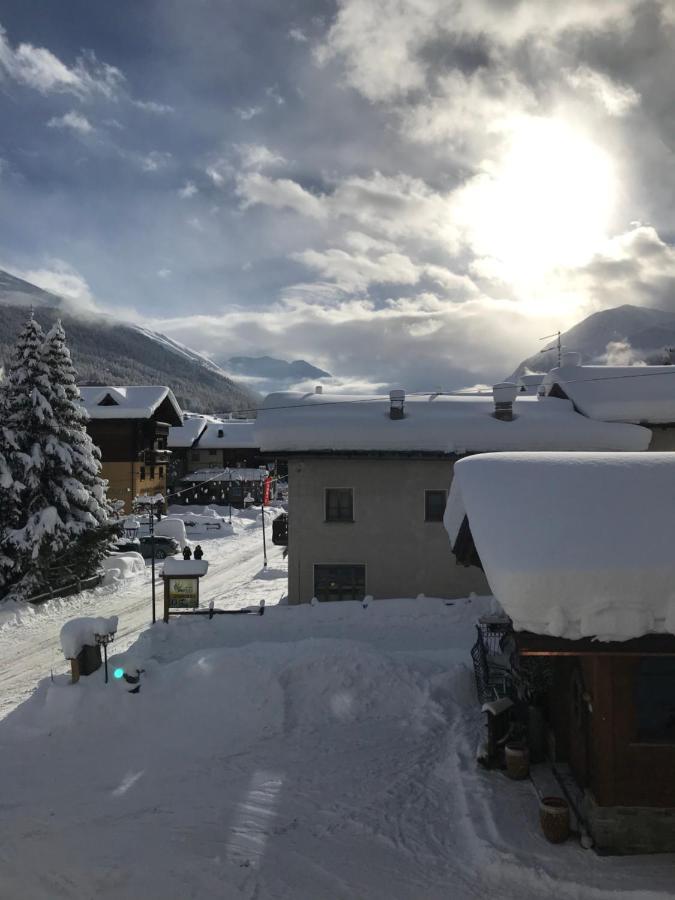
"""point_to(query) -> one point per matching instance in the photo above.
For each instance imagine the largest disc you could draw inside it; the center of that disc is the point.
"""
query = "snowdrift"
(574, 544)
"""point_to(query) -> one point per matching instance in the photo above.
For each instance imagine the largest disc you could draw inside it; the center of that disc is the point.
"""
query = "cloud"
(160, 109)
(62, 279)
(616, 99)
(72, 120)
(40, 69)
(280, 193)
(248, 112)
(153, 161)
(358, 272)
(188, 190)
(257, 156)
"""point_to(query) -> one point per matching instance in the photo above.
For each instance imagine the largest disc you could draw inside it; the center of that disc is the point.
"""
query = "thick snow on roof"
(126, 401)
(446, 424)
(210, 433)
(225, 435)
(577, 544)
(186, 434)
(185, 567)
(234, 474)
(619, 393)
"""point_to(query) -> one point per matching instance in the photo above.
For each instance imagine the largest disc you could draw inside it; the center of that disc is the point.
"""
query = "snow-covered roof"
(186, 434)
(185, 567)
(78, 633)
(529, 383)
(209, 433)
(233, 474)
(619, 393)
(126, 401)
(574, 544)
(296, 422)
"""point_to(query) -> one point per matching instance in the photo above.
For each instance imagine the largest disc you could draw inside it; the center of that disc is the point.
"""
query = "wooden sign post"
(181, 585)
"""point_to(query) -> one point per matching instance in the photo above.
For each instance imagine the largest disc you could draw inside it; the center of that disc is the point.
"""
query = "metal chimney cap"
(397, 394)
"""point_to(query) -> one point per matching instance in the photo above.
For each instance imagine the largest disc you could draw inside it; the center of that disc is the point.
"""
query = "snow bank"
(174, 527)
(574, 545)
(295, 422)
(78, 632)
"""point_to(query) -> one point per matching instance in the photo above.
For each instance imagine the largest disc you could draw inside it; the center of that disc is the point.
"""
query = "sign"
(183, 593)
(266, 490)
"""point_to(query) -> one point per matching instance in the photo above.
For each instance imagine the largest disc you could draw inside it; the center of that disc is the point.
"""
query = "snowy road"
(29, 642)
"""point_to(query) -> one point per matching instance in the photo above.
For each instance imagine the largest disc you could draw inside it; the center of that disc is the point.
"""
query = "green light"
(118, 673)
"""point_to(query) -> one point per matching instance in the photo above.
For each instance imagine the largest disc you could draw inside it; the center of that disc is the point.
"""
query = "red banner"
(267, 489)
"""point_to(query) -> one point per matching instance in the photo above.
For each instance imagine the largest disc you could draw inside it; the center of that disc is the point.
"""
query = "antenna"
(559, 346)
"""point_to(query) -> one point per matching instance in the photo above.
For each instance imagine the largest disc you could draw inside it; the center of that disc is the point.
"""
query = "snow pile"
(619, 393)
(77, 633)
(118, 566)
(174, 527)
(574, 545)
(442, 424)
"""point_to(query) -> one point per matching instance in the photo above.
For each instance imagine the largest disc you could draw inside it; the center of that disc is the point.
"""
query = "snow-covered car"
(164, 546)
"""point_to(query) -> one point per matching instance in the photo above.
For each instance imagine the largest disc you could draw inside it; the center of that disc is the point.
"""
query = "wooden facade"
(611, 710)
(134, 453)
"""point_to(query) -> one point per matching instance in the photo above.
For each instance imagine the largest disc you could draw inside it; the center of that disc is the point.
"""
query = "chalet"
(644, 395)
(368, 480)
(130, 424)
(201, 442)
(577, 549)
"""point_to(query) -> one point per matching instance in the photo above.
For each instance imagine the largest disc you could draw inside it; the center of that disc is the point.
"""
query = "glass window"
(655, 699)
(212, 452)
(142, 473)
(339, 505)
(339, 583)
(161, 471)
(434, 505)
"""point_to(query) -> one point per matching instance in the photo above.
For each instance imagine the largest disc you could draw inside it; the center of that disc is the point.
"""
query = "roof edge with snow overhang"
(127, 401)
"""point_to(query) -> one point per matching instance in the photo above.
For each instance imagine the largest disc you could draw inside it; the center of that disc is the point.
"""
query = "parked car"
(164, 546)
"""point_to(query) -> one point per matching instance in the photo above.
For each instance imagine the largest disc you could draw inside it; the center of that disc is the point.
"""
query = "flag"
(266, 490)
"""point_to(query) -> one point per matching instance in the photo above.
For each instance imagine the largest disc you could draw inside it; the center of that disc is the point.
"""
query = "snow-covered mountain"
(273, 369)
(622, 336)
(107, 351)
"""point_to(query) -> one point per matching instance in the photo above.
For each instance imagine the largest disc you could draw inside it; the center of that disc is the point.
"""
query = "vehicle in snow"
(164, 546)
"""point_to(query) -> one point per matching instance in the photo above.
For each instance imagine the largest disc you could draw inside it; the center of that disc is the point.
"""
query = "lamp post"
(229, 491)
(149, 503)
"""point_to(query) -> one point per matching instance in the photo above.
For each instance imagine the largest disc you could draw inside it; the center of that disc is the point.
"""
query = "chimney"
(504, 396)
(396, 401)
(571, 358)
(318, 389)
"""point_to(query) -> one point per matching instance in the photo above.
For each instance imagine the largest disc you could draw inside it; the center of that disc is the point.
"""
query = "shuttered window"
(339, 505)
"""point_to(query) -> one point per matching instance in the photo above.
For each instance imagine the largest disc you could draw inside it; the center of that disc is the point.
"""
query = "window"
(212, 452)
(161, 471)
(434, 505)
(339, 583)
(142, 473)
(152, 473)
(339, 505)
(194, 456)
(655, 699)
(221, 433)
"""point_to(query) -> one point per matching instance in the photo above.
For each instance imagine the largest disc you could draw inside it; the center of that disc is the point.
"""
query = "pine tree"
(88, 508)
(63, 501)
(12, 469)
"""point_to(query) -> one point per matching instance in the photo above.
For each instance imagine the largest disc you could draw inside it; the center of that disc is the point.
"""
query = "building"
(238, 487)
(130, 424)
(368, 481)
(577, 549)
(201, 442)
(641, 394)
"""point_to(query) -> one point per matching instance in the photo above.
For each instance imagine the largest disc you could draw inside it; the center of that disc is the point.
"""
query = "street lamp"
(148, 504)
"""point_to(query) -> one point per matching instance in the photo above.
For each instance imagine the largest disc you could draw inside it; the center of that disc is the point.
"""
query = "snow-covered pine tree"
(56, 508)
(12, 468)
(89, 511)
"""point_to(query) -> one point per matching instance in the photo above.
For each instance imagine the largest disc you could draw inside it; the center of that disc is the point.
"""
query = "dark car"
(164, 546)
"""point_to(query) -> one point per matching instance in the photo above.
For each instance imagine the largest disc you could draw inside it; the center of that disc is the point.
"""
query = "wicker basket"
(554, 815)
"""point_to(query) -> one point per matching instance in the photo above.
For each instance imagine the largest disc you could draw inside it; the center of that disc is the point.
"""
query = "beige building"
(368, 481)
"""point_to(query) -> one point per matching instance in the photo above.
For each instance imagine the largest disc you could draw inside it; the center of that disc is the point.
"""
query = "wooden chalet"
(130, 425)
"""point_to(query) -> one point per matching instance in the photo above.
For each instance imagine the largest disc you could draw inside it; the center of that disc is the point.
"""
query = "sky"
(402, 192)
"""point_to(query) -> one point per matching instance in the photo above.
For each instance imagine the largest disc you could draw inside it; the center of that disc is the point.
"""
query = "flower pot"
(554, 815)
(517, 758)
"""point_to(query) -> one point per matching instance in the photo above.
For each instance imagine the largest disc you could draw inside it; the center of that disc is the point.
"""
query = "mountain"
(272, 369)
(106, 351)
(622, 335)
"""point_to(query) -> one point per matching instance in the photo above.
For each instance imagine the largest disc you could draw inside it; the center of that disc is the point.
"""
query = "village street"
(29, 638)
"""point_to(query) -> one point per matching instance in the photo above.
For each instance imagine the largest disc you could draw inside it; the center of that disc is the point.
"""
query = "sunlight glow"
(546, 204)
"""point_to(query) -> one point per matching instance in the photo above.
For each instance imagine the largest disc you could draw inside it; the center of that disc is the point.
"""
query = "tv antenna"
(559, 346)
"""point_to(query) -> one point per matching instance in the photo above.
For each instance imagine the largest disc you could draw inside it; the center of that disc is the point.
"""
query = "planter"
(554, 815)
(517, 758)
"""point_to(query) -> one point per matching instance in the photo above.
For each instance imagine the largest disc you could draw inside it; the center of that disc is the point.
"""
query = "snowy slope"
(107, 351)
(630, 333)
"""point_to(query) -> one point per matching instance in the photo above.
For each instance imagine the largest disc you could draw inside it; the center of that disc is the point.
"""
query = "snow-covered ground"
(312, 753)
(29, 635)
